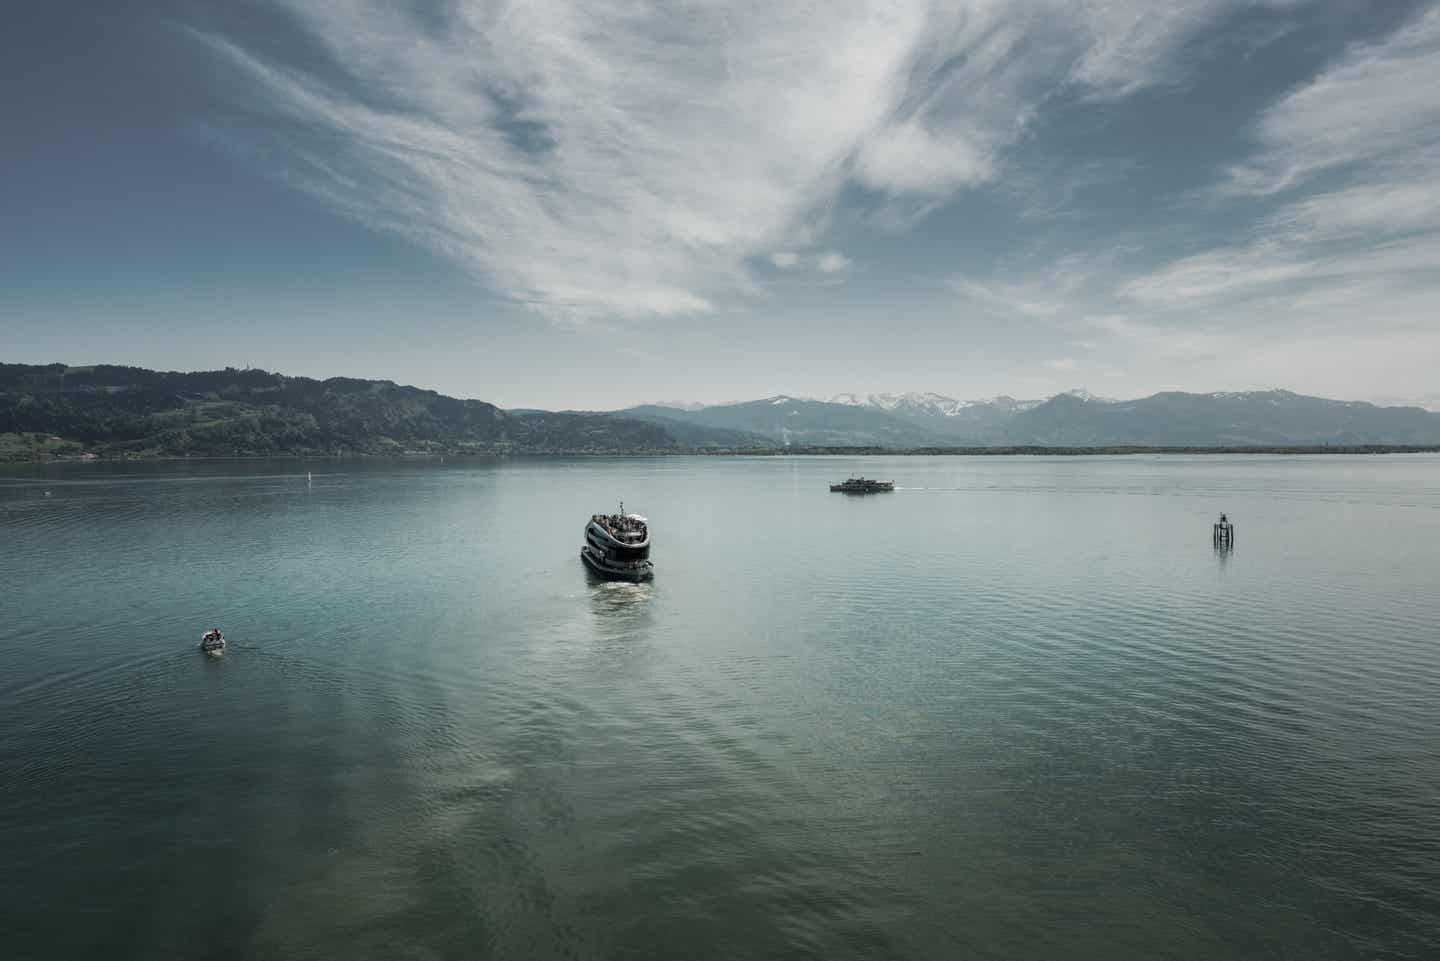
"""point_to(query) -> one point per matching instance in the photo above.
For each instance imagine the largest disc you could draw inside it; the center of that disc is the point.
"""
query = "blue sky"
(569, 204)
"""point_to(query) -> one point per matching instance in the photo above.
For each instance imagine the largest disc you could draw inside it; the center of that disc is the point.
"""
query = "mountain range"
(1073, 419)
(105, 410)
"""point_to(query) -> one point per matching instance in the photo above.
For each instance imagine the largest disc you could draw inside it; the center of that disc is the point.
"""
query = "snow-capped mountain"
(929, 404)
(932, 404)
(1081, 393)
(917, 402)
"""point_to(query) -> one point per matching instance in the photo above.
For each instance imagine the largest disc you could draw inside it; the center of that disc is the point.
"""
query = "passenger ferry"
(617, 546)
(861, 485)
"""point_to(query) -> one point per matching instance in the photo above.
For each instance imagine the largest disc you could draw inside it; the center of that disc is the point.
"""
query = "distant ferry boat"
(861, 485)
(617, 546)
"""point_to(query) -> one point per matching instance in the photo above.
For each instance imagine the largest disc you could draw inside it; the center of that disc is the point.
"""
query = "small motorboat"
(212, 642)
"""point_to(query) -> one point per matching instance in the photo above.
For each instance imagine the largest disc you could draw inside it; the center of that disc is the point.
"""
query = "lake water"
(1020, 708)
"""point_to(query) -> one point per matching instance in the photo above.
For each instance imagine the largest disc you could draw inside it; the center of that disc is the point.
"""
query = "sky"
(569, 204)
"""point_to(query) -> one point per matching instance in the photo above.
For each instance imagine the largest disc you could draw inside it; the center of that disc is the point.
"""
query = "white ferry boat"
(617, 546)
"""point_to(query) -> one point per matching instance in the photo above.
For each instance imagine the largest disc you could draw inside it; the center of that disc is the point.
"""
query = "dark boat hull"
(635, 573)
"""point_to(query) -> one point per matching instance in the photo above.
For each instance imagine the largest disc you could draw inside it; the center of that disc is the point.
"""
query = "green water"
(1019, 708)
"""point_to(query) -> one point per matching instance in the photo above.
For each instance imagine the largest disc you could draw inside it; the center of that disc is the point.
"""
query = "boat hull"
(635, 572)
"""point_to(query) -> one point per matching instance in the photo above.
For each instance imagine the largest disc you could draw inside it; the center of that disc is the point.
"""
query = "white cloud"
(911, 159)
(1292, 278)
(1377, 104)
(1225, 272)
(1368, 232)
(1063, 364)
(1046, 287)
(1381, 207)
(1022, 298)
(830, 262)
(1131, 47)
(612, 158)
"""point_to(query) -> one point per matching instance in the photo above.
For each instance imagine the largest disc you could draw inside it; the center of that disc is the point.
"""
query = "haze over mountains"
(59, 410)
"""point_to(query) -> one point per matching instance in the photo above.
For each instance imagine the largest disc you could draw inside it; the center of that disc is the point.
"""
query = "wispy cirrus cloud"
(1028, 299)
(828, 262)
(1050, 292)
(1376, 107)
(1337, 271)
(608, 159)
(1271, 269)
(1351, 161)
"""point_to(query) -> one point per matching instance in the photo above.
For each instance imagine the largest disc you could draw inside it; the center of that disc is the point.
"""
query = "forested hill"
(119, 411)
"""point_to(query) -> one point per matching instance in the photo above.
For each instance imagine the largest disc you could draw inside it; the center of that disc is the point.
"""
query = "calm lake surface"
(1020, 708)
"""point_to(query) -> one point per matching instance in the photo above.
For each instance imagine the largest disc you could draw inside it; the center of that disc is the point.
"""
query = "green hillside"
(57, 410)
